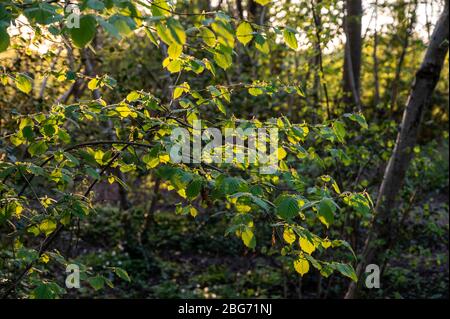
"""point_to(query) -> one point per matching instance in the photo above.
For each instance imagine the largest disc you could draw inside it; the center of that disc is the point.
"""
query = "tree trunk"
(352, 54)
(240, 9)
(399, 68)
(376, 80)
(384, 222)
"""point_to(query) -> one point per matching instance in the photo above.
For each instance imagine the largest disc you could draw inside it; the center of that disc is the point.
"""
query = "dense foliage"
(86, 119)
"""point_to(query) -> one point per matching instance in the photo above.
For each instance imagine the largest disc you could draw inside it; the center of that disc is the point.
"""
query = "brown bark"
(376, 97)
(240, 9)
(318, 61)
(352, 54)
(385, 221)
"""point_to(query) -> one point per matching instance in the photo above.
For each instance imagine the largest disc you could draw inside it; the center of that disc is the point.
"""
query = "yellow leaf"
(255, 91)
(336, 187)
(280, 123)
(306, 245)
(179, 90)
(249, 238)
(93, 84)
(19, 210)
(152, 163)
(124, 110)
(301, 266)
(326, 243)
(133, 96)
(290, 39)
(24, 83)
(182, 193)
(45, 258)
(289, 235)
(193, 211)
(244, 33)
(164, 158)
(174, 50)
(242, 208)
(281, 153)
(262, 2)
(174, 66)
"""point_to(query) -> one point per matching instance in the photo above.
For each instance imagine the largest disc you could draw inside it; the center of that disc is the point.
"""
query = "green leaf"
(339, 131)
(125, 25)
(4, 39)
(46, 290)
(208, 36)
(163, 33)
(224, 32)
(194, 188)
(72, 158)
(359, 118)
(261, 44)
(121, 273)
(255, 199)
(85, 33)
(223, 60)
(339, 242)
(220, 106)
(42, 13)
(176, 31)
(92, 172)
(96, 5)
(97, 282)
(160, 8)
(262, 2)
(110, 28)
(24, 83)
(151, 36)
(244, 33)
(230, 185)
(290, 39)
(47, 226)
(287, 206)
(37, 148)
(27, 255)
(326, 211)
(346, 270)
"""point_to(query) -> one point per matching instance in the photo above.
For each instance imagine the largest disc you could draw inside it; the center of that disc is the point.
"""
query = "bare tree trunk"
(240, 9)
(398, 70)
(376, 97)
(318, 61)
(352, 55)
(384, 222)
(255, 12)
